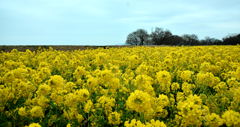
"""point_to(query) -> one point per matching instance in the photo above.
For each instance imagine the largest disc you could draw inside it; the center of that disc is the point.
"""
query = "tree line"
(160, 36)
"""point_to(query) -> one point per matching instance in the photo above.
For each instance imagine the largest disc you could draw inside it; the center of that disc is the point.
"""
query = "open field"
(147, 86)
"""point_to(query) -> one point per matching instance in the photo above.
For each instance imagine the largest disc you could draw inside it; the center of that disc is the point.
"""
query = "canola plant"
(131, 86)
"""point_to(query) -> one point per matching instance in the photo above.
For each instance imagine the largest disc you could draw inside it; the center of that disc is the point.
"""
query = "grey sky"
(108, 22)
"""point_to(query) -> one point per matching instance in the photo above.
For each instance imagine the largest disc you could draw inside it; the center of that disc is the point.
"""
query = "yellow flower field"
(131, 86)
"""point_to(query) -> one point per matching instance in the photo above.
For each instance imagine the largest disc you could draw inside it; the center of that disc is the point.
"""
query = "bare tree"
(132, 39)
(211, 41)
(139, 37)
(232, 40)
(190, 39)
(159, 36)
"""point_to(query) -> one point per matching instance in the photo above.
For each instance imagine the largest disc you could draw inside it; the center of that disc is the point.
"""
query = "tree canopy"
(160, 36)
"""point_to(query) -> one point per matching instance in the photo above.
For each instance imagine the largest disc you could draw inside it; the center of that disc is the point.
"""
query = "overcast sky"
(108, 22)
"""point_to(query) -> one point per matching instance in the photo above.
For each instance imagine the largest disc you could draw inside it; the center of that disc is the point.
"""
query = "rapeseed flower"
(139, 101)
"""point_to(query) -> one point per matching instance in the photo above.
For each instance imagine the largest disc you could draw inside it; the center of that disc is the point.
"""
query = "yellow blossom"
(124, 86)
(37, 111)
(156, 123)
(43, 90)
(79, 118)
(82, 94)
(22, 111)
(79, 72)
(213, 120)
(56, 82)
(175, 86)
(107, 103)
(134, 123)
(231, 118)
(34, 125)
(163, 100)
(68, 125)
(144, 83)
(207, 79)
(163, 77)
(237, 73)
(186, 76)
(139, 101)
(88, 106)
(114, 118)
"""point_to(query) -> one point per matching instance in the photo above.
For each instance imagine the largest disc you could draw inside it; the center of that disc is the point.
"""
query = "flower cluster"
(129, 86)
